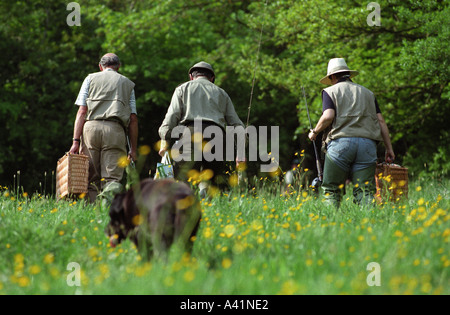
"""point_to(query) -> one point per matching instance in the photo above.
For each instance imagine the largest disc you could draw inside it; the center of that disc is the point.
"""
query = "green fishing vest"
(109, 97)
(356, 114)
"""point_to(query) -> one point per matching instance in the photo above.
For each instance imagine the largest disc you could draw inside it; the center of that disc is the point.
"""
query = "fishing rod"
(318, 180)
(240, 173)
(254, 69)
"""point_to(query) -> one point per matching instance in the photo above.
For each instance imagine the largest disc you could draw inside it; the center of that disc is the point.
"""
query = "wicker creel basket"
(391, 181)
(72, 175)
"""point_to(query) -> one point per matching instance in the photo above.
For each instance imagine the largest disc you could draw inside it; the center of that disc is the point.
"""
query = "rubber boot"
(364, 186)
(203, 193)
(109, 192)
(333, 184)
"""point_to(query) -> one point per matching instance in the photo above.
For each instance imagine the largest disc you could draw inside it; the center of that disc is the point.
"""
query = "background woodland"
(405, 62)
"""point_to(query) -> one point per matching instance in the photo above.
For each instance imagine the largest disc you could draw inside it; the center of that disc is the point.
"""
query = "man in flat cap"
(199, 99)
(106, 111)
(357, 124)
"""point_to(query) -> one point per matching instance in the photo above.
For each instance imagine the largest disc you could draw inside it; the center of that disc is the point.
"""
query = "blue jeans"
(350, 158)
(353, 154)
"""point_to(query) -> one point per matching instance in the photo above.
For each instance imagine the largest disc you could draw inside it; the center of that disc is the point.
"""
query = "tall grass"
(262, 242)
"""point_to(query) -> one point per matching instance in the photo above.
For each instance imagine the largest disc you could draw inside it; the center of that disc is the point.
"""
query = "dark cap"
(202, 65)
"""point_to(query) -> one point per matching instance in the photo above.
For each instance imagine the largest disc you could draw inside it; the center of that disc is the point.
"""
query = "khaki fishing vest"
(109, 97)
(356, 114)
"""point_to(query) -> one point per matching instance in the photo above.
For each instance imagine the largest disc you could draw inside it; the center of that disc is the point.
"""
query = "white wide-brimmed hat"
(337, 65)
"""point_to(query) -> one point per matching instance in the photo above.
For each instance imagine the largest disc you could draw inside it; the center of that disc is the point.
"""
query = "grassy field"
(253, 243)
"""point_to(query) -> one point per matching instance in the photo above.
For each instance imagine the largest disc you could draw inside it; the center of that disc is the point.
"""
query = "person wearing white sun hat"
(356, 124)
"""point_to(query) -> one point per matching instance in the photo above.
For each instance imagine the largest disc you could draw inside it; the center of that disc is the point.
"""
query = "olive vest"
(356, 114)
(109, 97)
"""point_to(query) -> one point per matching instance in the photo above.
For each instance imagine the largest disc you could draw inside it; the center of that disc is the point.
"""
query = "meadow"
(260, 242)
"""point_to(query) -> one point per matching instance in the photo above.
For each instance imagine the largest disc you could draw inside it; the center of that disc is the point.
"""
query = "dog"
(154, 215)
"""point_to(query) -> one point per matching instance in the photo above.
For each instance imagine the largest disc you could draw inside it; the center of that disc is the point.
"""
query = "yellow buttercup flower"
(226, 263)
(136, 220)
(256, 225)
(233, 180)
(35, 269)
(229, 230)
(49, 258)
(207, 233)
(289, 288)
(184, 203)
(193, 174)
(18, 258)
(23, 281)
(144, 150)
(206, 175)
(242, 167)
(123, 162)
(189, 276)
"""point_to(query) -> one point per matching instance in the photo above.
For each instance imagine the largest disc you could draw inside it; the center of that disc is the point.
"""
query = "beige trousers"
(105, 143)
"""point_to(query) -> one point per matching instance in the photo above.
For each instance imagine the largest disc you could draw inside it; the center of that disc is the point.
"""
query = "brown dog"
(154, 215)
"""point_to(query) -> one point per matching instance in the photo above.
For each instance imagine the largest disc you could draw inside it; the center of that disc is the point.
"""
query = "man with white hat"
(199, 100)
(356, 122)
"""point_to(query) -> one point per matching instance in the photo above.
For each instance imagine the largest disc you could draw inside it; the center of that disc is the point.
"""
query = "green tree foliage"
(43, 62)
(405, 61)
